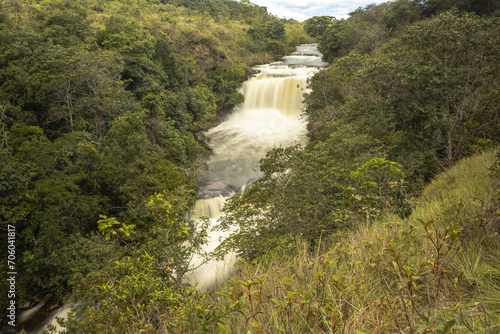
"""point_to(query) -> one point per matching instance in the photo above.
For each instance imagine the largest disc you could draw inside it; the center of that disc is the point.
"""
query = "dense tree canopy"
(101, 106)
(430, 95)
(370, 27)
(381, 126)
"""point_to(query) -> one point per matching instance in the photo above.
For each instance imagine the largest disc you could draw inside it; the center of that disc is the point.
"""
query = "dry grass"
(393, 276)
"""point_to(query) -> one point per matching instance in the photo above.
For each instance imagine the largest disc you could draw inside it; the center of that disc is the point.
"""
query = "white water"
(60, 313)
(30, 320)
(269, 118)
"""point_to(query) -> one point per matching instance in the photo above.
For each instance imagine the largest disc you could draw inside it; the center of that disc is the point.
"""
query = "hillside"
(385, 221)
(434, 271)
(102, 105)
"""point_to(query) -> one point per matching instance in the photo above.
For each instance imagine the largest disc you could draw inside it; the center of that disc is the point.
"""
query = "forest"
(387, 221)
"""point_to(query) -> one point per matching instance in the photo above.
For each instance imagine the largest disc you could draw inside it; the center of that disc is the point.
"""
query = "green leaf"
(222, 327)
(449, 325)
(421, 222)
(255, 324)
(422, 328)
(223, 293)
(424, 224)
(471, 313)
(277, 302)
(363, 331)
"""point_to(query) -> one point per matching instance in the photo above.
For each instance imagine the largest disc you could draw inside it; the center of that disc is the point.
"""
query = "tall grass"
(437, 271)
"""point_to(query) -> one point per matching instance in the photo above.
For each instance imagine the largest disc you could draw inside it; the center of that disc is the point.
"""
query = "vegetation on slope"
(102, 105)
(381, 126)
(435, 271)
(400, 106)
(370, 27)
(428, 97)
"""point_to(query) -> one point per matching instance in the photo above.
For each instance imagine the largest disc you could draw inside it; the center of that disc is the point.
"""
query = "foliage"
(138, 298)
(317, 25)
(426, 273)
(369, 27)
(48, 198)
(362, 32)
(146, 289)
(480, 7)
(429, 96)
(268, 35)
(378, 124)
(329, 197)
(101, 105)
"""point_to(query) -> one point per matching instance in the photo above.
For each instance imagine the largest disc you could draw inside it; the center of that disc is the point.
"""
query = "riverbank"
(436, 270)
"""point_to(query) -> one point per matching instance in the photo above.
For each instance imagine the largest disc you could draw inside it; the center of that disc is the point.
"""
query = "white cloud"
(303, 9)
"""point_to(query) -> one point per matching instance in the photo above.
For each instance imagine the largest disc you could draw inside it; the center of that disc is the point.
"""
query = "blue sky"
(303, 9)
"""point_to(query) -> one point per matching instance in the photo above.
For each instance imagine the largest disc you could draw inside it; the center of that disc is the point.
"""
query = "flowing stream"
(269, 118)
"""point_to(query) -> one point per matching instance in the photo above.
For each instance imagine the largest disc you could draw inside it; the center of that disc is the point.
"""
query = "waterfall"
(276, 91)
(210, 207)
(31, 321)
(269, 118)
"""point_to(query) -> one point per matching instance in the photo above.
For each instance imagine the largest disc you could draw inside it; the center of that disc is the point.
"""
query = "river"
(270, 117)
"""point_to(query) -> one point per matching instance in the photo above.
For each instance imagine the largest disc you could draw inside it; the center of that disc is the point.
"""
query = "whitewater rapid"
(270, 117)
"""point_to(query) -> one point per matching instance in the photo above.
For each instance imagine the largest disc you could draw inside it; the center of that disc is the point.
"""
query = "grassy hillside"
(388, 221)
(436, 271)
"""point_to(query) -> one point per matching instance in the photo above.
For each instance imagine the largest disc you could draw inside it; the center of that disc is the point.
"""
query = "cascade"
(269, 118)
(276, 91)
(210, 207)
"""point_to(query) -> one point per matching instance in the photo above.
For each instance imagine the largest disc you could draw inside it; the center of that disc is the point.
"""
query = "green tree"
(133, 167)
(480, 7)
(317, 25)
(304, 194)
(441, 77)
(428, 96)
(64, 22)
(402, 13)
(363, 32)
(147, 290)
(84, 88)
(45, 196)
(269, 35)
(225, 83)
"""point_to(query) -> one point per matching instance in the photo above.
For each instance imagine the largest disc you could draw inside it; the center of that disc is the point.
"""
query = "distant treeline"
(369, 27)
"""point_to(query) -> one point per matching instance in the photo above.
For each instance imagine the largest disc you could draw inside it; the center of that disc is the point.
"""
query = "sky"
(301, 10)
